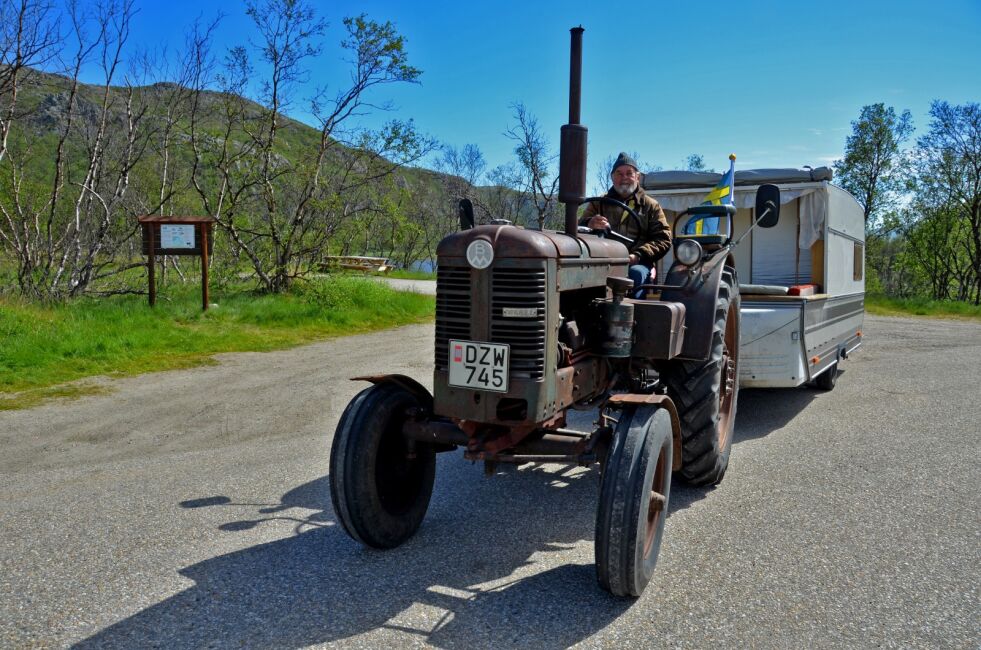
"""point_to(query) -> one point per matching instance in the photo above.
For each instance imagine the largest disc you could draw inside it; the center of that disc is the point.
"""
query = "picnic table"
(357, 263)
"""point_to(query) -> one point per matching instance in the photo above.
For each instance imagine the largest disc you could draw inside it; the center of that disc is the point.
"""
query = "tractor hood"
(511, 241)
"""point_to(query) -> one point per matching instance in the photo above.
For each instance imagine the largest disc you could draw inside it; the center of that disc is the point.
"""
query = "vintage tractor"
(530, 324)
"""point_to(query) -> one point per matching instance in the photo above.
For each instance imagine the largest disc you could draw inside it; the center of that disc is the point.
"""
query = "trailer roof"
(677, 180)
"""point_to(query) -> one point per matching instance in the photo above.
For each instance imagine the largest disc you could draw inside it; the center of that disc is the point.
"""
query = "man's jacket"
(653, 238)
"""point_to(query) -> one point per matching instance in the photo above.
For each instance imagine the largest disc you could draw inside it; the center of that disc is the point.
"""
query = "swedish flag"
(721, 195)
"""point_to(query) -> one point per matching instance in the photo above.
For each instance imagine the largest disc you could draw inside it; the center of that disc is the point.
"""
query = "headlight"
(688, 252)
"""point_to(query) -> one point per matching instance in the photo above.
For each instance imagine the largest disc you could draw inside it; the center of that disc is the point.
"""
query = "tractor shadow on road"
(477, 573)
(759, 413)
(473, 576)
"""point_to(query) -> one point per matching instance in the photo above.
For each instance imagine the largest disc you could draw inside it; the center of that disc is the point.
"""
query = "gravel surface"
(191, 509)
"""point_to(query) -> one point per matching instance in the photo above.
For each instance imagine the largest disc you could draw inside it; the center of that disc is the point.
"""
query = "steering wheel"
(609, 232)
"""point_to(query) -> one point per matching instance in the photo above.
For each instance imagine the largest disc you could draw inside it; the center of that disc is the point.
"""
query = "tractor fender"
(408, 383)
(620, 400)
(699, 295)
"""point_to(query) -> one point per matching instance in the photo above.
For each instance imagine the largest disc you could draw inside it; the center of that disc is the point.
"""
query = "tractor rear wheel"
(705, 393)
(380, 485)
(633, 503)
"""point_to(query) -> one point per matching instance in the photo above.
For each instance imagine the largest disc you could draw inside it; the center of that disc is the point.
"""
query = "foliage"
(535, 177)
(949, 196)
(871, 169)
(881, 305)
(181, 136)
(695, 163)
(923, 205)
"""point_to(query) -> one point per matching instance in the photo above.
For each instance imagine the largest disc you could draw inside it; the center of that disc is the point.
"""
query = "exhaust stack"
(572, 146)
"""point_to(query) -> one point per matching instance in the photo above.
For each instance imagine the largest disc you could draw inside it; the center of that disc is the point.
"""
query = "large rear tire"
(705, 393)
(380, 487)
(633, 503)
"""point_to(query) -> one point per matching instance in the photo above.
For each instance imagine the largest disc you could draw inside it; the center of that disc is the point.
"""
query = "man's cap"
(624, 159)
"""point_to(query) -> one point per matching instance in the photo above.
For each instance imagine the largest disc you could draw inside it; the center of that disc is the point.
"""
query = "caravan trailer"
(802, 283)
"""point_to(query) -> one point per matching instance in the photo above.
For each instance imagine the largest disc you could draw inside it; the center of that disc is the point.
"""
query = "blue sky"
(778, 83)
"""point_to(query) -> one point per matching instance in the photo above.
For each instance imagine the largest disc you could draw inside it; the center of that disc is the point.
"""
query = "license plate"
(479, 365)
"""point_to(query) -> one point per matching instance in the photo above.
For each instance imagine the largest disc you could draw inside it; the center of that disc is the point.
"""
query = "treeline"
(194, 131)
(922, 202)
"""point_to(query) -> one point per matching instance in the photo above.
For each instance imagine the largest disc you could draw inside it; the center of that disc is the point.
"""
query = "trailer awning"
(677, 191)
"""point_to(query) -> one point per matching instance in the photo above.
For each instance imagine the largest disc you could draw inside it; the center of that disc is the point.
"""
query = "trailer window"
(858, 263)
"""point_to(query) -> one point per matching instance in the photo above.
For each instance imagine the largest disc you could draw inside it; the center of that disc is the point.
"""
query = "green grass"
(44, 346)
(886, 306)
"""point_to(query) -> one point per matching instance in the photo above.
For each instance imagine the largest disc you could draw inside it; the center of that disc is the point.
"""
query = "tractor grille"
(521, 289)
(512, 288)
(452, 309)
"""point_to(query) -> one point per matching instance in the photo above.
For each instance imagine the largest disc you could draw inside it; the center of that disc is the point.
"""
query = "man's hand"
(598, 222)
(634, 259)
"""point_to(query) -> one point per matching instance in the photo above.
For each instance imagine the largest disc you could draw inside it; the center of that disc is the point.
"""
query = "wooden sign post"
(177, 236)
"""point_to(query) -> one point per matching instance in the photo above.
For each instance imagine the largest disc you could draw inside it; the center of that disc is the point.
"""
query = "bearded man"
(652, 237)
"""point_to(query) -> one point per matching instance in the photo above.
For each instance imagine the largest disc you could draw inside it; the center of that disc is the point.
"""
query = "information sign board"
(176, 236)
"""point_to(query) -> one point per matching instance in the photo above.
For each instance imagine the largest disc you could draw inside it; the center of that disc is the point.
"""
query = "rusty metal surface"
(618, 322)
(476, 314)
(659, 329)
(408, 383)
(546, 448)
(435, 431)
(521, 459)
(663, 401)
(493, 438)
(572, 150)
(572, 169)
(603, 248)
(699, 299)
(510, 242)
(587, 273)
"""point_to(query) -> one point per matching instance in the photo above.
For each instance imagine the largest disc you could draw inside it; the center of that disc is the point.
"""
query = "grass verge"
(45, 346)
(886, 306)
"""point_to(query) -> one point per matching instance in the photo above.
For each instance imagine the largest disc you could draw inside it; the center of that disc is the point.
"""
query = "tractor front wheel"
(633, 503)
(380, 484)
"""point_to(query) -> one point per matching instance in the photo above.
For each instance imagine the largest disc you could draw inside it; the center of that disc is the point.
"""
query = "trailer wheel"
(705, 393)
(633, 503)
(827, 379)
(380, 487)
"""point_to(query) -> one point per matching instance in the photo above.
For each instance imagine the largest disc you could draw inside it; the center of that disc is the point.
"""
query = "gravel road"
(191, 509)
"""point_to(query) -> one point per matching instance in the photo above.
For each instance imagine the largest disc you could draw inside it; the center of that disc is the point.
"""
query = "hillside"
(43, 104)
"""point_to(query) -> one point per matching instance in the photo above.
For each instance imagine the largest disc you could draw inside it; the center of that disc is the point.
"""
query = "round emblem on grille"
(480, 253)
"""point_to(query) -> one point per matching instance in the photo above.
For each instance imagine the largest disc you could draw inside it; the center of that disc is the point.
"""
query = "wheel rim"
(657, 501)
(727, 387)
